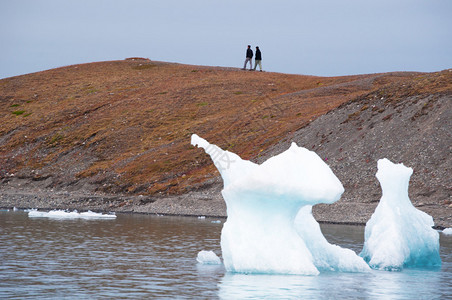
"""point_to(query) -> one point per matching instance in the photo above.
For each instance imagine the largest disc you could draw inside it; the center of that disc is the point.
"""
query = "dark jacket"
(249, 53)
(258, 54)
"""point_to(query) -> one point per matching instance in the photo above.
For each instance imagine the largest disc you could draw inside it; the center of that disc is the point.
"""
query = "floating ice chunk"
(447, 231)
(208, 258)
(262, 202)
(399, 235)
(92, 215)
(61, 214)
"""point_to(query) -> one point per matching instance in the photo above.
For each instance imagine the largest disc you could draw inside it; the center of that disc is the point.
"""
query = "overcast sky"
(316, 37)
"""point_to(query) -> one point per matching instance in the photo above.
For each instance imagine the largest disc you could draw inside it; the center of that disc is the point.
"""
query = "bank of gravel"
(413, 130)
(208, 203)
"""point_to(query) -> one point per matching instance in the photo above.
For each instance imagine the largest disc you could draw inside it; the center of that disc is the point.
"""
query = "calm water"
(139, 256)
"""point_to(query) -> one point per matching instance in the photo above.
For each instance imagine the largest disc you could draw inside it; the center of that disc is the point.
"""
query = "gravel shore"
(207, 203)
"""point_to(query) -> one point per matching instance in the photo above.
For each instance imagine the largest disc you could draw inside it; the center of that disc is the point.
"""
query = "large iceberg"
(270, 227)
(399, 235)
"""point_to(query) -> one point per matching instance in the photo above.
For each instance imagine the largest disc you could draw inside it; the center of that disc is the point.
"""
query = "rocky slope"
(116, 135)
(402, 122)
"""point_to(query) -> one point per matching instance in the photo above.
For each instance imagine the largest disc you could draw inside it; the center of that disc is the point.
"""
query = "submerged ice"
(270, 227)
(399, 235)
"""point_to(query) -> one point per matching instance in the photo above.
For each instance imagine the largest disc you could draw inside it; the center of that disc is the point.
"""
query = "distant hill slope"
(123, 127)
(408, 122)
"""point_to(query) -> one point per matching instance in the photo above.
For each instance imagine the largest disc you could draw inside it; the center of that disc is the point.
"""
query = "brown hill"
(408, 122)
(97, 135)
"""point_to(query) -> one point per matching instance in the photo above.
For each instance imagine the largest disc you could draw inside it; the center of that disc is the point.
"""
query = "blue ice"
(398, 235)
(270, 227)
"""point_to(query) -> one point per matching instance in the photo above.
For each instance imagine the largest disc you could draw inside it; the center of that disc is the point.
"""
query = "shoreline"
(187, 216)
(207, 203)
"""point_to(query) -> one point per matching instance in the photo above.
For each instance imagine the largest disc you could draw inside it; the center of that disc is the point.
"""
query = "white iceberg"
(61, 214)
(447, 231)
(399, 235)
(208, 258)
(263, 233)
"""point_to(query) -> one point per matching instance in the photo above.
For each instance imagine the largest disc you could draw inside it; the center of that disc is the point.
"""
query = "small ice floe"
(15, 208)
(201, 217)
(208, 258)
(61, 214)
(216, 221)
(447, 231)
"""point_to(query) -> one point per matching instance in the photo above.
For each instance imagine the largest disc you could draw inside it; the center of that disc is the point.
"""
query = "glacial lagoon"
(154, 257)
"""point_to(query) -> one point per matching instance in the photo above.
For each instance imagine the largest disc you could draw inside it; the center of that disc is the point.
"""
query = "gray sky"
(316, 37)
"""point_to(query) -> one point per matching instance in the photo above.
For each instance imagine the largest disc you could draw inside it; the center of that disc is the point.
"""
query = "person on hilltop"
(249, 57)
(258, 59)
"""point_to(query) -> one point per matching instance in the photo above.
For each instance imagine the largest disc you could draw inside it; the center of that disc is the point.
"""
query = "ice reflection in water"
(422, 283)
(373, 285)
(138, 256)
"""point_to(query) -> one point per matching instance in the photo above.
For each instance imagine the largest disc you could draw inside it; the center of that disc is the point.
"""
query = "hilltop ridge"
(116, 135)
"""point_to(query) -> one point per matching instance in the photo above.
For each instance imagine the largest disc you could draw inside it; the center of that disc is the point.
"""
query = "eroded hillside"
(124, 127)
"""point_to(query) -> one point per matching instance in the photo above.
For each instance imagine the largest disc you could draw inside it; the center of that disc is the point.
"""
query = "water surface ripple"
(140, 256)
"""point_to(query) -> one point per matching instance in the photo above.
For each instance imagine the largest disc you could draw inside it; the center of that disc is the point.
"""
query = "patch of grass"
(15, 105)
(26, 115)
(56, 138)
(93, 90)
(238, 93)
(202, 104)
(230, 146)
(18, 112)
(89, 89)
